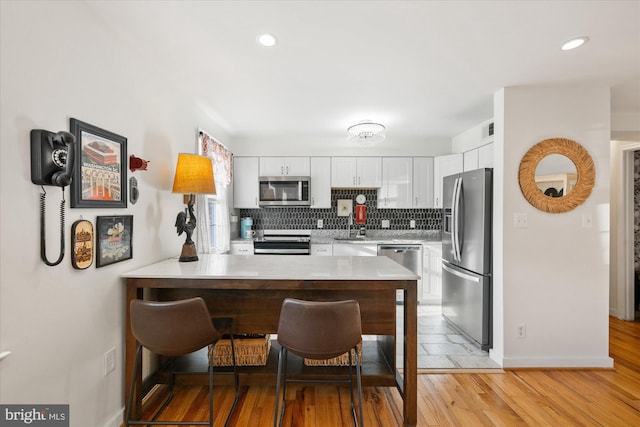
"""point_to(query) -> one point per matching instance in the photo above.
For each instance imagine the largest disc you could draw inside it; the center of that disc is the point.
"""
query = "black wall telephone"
(52, 161)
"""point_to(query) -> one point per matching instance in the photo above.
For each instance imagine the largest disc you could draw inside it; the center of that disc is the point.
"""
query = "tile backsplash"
(307, 218)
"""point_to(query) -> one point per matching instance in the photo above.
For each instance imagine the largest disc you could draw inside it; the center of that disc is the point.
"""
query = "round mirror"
(556, 175)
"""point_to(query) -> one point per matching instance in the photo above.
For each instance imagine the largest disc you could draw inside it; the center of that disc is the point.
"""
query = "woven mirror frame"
(585, 170)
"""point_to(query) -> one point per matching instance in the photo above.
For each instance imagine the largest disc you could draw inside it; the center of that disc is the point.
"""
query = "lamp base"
(189, 253)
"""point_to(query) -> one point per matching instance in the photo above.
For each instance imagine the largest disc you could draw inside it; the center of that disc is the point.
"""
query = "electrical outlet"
(320, 223)
(109, 361)
(412, 223)
(386, 223)
(520, 220)
(521, 330)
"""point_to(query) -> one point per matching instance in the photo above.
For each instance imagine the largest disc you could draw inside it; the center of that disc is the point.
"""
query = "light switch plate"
(385, 223)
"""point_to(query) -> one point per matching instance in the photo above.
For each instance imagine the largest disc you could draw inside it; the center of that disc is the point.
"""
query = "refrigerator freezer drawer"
(466, 303)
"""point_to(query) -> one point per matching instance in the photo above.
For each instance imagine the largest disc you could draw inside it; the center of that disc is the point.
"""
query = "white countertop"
(277, 267)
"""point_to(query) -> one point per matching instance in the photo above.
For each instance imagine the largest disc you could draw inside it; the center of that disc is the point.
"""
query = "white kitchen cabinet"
(284, 166)
(355, 249)
(321, 182)
(432, 273)
(397, 183)
(321, 249)
(241, 248)
(444, 166)
(485, 156)
(422, 182)
(356, 172)
(470, 160)
(245, 182)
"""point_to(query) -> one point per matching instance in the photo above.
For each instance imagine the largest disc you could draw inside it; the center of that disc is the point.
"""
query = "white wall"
(57, 61)
(554, 275)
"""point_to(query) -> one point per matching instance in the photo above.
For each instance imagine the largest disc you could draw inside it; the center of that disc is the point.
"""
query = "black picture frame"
(100, 172)
(114, 235)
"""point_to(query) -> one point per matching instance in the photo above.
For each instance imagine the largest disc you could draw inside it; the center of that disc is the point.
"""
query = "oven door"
(281, 248)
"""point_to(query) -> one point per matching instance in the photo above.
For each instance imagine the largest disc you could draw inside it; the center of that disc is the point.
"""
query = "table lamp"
(194, 175)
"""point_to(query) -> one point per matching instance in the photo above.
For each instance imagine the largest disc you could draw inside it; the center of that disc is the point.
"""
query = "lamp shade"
(194, 175)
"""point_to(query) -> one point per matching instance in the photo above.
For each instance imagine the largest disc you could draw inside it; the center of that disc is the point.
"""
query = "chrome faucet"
(349, 223)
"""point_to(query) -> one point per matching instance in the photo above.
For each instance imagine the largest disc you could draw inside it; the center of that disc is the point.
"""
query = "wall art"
(100, 173)
(115, 238)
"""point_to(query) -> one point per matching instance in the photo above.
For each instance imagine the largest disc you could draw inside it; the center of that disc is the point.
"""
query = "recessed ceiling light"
(574, 43)
(266, 40)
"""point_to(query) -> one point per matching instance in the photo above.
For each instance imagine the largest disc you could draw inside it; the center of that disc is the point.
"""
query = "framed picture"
(114, 239)
(100, 173)
(345, 207)
(81, 244)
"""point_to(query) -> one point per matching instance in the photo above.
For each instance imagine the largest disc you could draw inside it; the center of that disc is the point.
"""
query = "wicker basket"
(250, 351)
(342, 360)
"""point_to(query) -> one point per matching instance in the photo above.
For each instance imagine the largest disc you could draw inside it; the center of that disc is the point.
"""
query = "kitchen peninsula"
(250, 289)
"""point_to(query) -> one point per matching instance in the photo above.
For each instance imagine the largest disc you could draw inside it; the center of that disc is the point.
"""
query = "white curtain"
(222, 169)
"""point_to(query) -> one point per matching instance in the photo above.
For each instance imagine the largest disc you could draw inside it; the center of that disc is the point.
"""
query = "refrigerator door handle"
(455, 234)
(461, 274)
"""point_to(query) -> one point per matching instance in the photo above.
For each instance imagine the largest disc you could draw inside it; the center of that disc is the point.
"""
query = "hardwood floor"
(512, 398)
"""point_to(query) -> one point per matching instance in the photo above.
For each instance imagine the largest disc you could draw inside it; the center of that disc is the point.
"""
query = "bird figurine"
(187, 226)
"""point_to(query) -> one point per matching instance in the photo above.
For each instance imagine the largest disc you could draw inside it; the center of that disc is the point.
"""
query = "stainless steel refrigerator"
(466, 254)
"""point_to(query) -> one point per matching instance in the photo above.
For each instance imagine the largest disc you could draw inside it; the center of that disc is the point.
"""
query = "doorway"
(625, 238)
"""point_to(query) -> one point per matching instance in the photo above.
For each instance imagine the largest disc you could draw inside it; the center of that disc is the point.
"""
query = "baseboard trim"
(117, 420)
(557, 363)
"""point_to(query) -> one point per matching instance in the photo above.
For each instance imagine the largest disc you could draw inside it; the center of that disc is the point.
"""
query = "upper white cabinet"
(283, 166)
(422, 182)
(470, 160)
(485, 156)
(245, 182)
(397, 183)
(481, 157)
(445, 166)
(356, 172)
(321, 182)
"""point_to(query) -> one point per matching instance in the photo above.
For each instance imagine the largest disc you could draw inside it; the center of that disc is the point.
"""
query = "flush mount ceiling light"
(366, 132)
(266, 40)
(574, 43)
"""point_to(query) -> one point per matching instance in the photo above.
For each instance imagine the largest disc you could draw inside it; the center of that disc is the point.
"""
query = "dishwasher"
(408, 256)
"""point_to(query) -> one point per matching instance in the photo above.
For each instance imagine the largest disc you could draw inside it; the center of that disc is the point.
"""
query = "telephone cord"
(43, 246)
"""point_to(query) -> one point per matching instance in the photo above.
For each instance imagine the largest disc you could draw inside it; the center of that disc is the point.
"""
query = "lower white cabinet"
(431, 273)
(321, 249)
(355, 249)
(241, 248)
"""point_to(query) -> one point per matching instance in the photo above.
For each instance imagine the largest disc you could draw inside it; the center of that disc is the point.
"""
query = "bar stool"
(177, 328)
(318, 330)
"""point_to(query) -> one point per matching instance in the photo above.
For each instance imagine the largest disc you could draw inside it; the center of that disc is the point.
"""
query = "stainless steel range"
(283, 242)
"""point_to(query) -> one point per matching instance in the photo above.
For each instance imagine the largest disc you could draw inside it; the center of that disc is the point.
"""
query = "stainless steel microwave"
(285, 191)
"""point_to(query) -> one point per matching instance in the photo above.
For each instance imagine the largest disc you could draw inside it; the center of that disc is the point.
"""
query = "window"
(213, 222)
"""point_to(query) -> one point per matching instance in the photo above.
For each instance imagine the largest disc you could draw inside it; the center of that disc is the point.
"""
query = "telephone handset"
(52, 162)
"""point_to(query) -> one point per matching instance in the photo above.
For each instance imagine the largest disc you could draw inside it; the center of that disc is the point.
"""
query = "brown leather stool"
(177, 328)
(318, 330)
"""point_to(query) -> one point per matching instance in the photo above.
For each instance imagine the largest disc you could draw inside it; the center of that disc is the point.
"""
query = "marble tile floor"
(441, 347)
